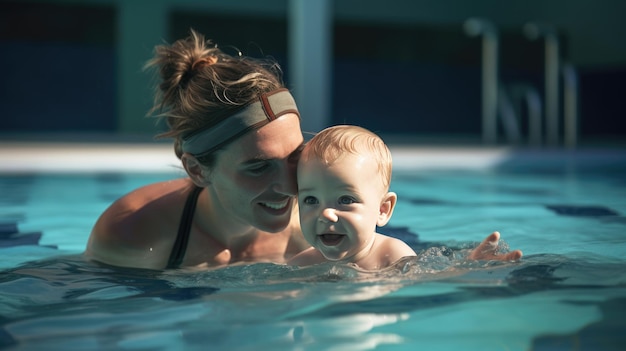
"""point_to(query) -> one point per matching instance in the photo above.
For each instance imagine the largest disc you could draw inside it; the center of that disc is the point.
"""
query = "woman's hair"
(333, 142)
(200, 85)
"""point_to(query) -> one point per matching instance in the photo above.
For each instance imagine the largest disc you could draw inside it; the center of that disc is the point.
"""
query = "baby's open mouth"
(331, 239)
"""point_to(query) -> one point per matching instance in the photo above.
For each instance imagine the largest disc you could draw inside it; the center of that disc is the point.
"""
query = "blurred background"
(412, 70)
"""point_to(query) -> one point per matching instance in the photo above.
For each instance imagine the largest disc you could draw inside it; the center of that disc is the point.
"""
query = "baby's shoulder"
(393, 247)
(307, 257)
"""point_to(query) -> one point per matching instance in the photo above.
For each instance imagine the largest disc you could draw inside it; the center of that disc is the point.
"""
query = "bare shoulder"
(384, 253)
(307, 257)
(139, 228)
(297, 242)
(394, 248)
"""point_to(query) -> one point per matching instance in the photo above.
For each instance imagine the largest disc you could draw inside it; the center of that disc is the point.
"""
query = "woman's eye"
(295, 156)
(258, 168)
(309, 200)
(346, 200)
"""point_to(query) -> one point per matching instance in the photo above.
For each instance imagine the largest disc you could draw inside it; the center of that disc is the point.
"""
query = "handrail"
(570, 103)
(534, 31)
(526, 95)
(495, 99)
(476, 27)
(508, 117)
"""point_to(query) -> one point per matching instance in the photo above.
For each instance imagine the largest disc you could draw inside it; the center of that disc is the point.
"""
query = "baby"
(344, 175)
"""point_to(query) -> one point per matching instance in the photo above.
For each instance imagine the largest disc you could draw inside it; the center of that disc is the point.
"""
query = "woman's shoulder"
(142, 221)
(154, 191)
(148, 200)
(156, 202)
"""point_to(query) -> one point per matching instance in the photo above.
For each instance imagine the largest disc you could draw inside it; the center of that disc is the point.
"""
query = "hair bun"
(205, 61)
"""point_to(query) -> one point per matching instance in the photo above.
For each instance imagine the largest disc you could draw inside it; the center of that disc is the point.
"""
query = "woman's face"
(254, 178)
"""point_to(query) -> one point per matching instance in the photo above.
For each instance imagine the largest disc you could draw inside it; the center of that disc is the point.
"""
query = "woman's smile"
(276, 207)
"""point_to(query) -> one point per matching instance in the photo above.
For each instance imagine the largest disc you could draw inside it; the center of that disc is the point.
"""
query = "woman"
(236, 130)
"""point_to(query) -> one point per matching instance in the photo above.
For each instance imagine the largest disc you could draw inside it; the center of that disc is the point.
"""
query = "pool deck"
(34, 157)
(88, 156)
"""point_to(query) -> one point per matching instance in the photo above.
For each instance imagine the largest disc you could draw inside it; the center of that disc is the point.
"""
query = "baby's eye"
(310, 200)
(346, 200)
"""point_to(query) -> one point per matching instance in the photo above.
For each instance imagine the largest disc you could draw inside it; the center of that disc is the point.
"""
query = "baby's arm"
(488, 250)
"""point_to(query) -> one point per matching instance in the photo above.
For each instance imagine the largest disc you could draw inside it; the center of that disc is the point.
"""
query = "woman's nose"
(328, 215)
(286, 182)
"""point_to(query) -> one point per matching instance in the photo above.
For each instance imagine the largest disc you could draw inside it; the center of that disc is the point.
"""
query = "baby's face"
(339, 204)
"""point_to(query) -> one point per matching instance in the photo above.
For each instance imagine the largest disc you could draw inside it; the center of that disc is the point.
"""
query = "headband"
(269, 107)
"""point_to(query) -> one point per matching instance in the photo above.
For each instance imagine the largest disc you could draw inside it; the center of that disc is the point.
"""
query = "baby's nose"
(328, 215)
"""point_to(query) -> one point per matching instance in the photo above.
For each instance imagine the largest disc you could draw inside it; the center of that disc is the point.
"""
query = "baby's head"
(344, 174)
(332, 143)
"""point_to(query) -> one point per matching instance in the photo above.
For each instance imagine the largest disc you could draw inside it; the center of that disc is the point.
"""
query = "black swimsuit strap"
(184, 229)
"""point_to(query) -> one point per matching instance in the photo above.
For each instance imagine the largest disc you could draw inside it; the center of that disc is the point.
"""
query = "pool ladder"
(496, 102)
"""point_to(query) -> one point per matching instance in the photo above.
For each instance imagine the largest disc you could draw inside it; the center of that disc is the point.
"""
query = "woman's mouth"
(331, 239)
(276, 207)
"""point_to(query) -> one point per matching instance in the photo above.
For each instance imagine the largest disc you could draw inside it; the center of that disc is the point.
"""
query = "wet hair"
(200, 85)
(333, 142)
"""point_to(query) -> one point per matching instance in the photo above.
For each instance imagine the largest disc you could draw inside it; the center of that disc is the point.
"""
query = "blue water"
(567, 293)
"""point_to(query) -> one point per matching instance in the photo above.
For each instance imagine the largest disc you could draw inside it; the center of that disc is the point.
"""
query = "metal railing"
(498, 105)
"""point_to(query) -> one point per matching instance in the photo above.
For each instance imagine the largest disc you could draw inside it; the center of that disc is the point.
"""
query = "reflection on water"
(69, 303)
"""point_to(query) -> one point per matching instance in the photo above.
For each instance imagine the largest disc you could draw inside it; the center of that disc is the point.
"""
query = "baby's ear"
(196, 171)
(387, 205)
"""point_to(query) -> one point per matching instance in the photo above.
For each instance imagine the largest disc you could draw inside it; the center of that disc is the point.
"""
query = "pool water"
(567, 293)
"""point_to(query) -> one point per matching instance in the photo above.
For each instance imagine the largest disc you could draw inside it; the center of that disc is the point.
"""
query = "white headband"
(269, 107)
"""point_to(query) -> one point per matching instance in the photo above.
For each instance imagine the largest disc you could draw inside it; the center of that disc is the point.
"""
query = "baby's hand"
(488, 250)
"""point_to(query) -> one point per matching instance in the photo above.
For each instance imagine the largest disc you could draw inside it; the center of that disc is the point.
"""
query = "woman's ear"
(195, 170)
(387, 205)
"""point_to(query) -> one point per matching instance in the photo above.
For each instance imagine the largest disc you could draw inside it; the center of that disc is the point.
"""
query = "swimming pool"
(565, 210)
